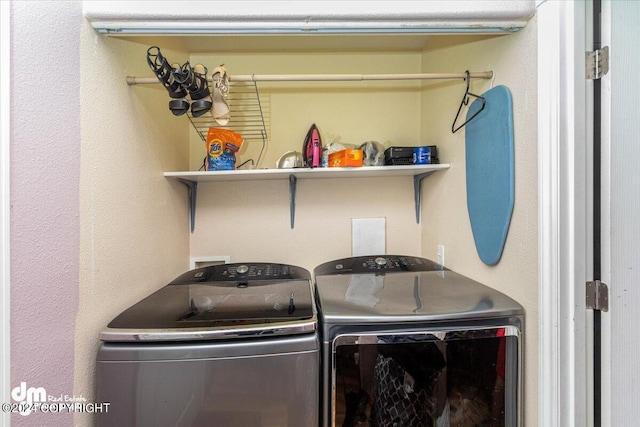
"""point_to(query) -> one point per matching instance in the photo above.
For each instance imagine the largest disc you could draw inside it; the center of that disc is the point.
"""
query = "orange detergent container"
(346, 157)
(222, 145)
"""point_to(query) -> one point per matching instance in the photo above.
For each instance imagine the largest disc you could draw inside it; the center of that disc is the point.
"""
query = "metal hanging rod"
(329, 77)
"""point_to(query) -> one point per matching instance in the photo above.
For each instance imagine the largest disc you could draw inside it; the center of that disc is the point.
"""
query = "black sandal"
(195, 80)
(167, 75)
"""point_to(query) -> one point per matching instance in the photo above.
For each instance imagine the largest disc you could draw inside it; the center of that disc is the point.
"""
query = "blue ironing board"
(489, 154)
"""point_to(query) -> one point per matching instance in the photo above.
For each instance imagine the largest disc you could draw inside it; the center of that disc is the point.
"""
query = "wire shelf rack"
(247, 117)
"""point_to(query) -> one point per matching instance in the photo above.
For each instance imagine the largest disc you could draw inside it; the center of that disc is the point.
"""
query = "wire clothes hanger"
(465, 101)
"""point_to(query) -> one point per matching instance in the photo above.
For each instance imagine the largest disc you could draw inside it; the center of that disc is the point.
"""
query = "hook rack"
(465, 101)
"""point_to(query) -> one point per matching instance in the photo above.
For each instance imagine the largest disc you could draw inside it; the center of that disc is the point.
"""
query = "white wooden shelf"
(191, 179)
(305, 173)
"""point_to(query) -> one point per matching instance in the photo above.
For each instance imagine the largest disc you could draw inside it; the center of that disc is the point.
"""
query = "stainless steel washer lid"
(392, 288)
(223, 301)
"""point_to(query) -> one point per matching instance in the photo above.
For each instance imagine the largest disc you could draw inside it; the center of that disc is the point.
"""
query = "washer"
(228, 345)
(406, 341)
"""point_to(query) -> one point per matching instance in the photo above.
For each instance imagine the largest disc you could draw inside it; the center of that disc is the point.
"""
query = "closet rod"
(329, 77)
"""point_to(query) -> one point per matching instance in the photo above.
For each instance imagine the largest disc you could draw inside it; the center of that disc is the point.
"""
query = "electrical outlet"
(441, 255)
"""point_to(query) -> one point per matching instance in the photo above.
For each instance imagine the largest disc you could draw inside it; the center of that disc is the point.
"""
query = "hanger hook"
(465, 101)
(465, 98)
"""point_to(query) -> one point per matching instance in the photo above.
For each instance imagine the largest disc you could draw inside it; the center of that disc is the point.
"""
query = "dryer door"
(465, 377)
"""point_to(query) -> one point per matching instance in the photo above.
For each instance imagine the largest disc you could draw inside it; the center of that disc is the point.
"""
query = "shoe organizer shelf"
(247, 119)
(191, 180)
(244, 100)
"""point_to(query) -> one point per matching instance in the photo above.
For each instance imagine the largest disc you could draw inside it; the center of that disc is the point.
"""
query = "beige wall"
(133, 222)
(250, 220)
(445, 217)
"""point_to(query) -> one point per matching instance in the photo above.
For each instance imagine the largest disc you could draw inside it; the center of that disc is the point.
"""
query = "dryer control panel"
(376, 264)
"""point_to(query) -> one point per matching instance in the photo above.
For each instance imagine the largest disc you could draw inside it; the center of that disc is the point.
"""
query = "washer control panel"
(244, 272)
(255, 271)
(376, 264)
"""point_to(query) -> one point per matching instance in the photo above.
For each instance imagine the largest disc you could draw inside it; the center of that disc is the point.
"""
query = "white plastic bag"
(443, 419)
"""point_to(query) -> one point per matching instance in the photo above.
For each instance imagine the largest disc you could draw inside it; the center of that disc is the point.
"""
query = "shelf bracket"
(417, 194)
(293, 181)
(193, 190)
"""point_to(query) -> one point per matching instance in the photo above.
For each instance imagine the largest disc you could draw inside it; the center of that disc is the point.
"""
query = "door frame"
(565, 237)
(619, 225)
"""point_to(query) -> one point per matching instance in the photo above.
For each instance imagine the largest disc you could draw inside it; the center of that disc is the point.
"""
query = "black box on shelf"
(394, 156)
(434, 154)
(398, 156)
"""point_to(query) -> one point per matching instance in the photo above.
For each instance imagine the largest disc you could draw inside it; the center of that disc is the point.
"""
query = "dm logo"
(31, 395)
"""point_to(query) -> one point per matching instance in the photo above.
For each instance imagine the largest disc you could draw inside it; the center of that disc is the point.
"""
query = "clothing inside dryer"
(410, 380)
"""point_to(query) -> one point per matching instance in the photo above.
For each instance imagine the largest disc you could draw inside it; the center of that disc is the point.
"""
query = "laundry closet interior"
(136, 154)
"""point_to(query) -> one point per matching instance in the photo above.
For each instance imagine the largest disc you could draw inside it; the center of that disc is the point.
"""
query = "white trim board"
(563, 207)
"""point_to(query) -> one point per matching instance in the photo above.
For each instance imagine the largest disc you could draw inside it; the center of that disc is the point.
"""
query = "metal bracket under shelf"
(293, 182)
(193, 190)
(192, 187)
(417, 194)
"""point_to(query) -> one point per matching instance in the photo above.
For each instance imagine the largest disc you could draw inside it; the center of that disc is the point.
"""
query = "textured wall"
(94, 224)
(45, 171)
(134, 235)
(513, 59)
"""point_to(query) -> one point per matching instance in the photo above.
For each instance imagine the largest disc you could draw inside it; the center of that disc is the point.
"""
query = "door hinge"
(597, 295)
(597, 63)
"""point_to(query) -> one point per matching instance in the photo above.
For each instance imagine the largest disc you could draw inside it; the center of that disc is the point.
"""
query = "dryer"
(231, 345)
(408, 342)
